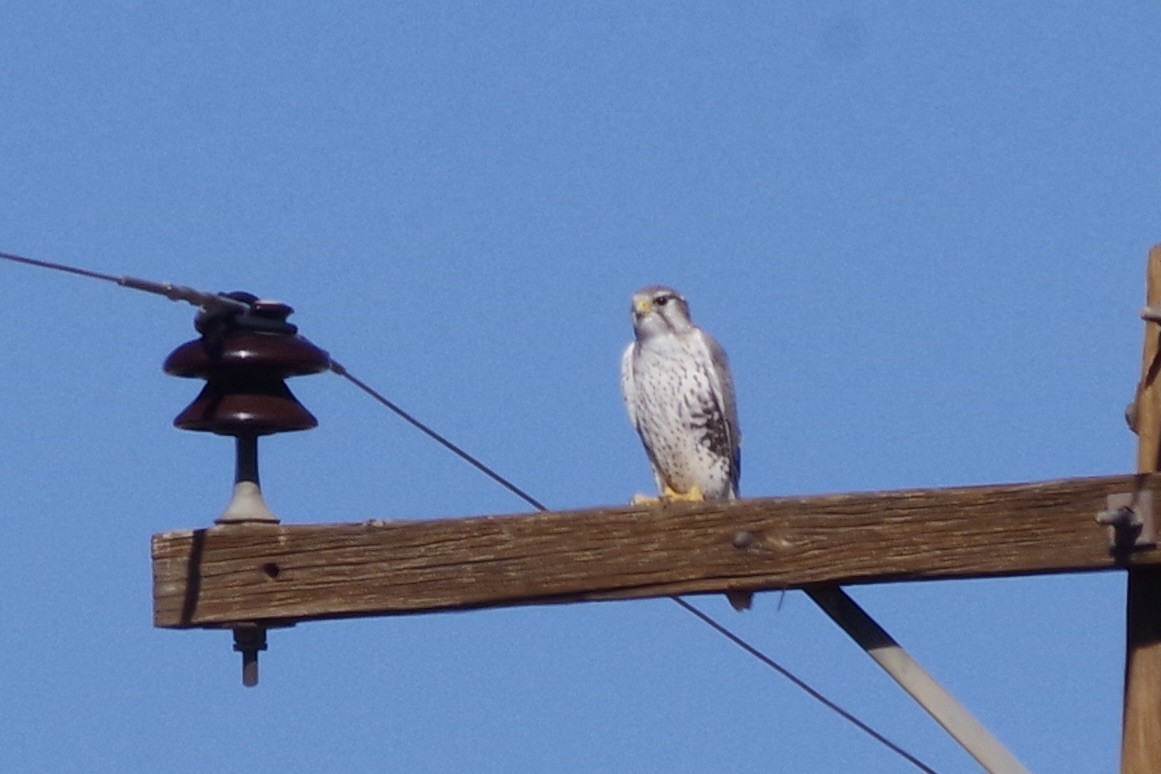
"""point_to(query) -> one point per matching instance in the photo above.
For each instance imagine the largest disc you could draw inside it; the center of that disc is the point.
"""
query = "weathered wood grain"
(286, 573)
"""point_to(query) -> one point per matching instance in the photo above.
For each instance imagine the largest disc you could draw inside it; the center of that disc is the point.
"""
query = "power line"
(432, 434)
(705, 618)
(61, 267)
(199, 298)
(214, 302)
(729, 635)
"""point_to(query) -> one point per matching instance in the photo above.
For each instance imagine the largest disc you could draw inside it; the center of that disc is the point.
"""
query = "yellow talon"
(670, 495)
(694, 495)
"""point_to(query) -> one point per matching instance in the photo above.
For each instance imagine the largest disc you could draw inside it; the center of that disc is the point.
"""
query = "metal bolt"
(743, 539)
(1119, 519)
(249, 639)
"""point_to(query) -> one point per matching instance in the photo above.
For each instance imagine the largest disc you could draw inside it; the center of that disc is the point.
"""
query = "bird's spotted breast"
(679, 419)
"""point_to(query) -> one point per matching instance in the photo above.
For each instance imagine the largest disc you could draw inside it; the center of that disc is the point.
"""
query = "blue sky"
(919, 229)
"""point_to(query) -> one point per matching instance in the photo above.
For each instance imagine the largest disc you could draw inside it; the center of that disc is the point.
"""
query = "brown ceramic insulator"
(244, 369)
(243, 350)
(249, 406)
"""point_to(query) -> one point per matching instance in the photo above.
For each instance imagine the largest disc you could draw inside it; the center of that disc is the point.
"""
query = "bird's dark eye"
(662, 300)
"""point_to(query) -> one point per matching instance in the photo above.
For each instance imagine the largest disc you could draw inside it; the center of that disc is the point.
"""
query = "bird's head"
(658, 310)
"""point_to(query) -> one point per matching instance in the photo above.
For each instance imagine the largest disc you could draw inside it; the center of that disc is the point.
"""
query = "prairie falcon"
(677, 386)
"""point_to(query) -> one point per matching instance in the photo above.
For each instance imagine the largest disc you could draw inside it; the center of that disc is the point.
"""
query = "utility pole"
(1141, 742)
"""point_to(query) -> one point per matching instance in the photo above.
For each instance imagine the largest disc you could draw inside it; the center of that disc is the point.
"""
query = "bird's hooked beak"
(642, 305)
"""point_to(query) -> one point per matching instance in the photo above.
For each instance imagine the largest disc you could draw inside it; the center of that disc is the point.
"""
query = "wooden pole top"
(1141, 740)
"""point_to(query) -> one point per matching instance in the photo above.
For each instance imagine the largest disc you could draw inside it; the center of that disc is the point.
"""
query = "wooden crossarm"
(288, 573)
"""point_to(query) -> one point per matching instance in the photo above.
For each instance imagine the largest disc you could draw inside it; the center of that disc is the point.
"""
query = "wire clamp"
(1129, 518)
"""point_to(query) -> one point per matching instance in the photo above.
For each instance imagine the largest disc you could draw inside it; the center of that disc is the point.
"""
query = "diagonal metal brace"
(1129, 518)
